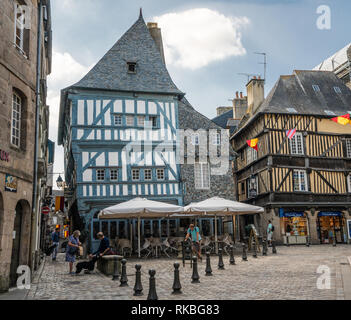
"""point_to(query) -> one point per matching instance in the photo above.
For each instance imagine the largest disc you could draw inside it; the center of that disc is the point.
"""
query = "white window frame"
(16, 120)
(349, 183)
(100, 175)
(136, 174)
(147, 177)
(129, 120)
(251, 155)
(202, 176)
(348, 148)
(117, 120)
(160, 174)
(297, 180)
(114, 174)
(296, 144)
(217, 139)
(19, 24)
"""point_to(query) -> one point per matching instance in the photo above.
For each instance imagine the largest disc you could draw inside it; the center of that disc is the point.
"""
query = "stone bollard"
(254, 249)
(176, 284)
(124, 279)
(138, 287)
(231, 252)
(244, 252)
(115, 269)
(152, 286)
(264, 247)
(195, 276)
(220, 259)
(208, 269)
(274, 249)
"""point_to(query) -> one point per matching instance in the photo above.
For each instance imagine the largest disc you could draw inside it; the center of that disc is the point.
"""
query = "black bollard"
(208, 269)
(307, 241)
(138, 287)
(274, 249)
(231, 252)
(244, 252)
(264, 247)
(124, 279)
(287, 241)
(176, 284)
(195, 277)
(115, 269)
(152, 287)
(254, 249)
(220, 259)
(334, 240)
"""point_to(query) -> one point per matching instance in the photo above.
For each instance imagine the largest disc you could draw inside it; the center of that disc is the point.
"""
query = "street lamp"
(59, 182)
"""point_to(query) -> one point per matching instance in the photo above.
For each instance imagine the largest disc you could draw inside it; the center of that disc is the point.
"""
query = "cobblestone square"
(288, 275)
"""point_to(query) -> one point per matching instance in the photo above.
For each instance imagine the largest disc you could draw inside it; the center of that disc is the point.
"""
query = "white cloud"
(65, 72)
(196, 37)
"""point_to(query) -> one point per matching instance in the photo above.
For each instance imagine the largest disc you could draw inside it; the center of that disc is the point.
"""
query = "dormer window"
(337, 89)
(316, 88)
(131, 67)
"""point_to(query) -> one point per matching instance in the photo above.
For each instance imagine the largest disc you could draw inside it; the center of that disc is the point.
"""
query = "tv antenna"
(264, 63)
(249, 75)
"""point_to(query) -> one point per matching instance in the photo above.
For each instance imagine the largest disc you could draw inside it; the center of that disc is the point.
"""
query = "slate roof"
(337, 61)
(296, 91)
(136, 45)
(224, 120)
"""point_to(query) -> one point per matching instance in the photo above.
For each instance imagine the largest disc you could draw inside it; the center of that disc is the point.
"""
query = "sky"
(207, 43)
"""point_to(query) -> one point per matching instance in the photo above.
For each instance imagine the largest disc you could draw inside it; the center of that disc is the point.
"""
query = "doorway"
(328, 226)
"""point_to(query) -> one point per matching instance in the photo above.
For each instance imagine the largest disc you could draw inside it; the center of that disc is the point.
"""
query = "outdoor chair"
(167, 249)
(124, 246)
(206, 245)
(146, 248)
(226, 243)
(156, 244)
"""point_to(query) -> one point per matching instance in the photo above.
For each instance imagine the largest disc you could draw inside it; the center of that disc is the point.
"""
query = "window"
(114, 174)
(153, 121)
(251, 155)
(21, 32)
(135, 174)
(131, 67)
(348, 148)
(118, 120)
(329, 112)
(160, 173)
(296, 144)
(130, 120)
(100, 174)
(147, 174)
(16, 119)
(195, 139)
(252, 189)
(349, 182)
(291, 110)
(300, 181)
(316, 88)
(141, 121)
(202, 176)
(337, 89)
(217, 139)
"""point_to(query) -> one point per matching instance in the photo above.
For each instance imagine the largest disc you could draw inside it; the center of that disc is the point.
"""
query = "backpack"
(272, 228)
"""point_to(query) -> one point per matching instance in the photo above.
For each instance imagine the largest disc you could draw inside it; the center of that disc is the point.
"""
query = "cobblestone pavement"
(290, 274)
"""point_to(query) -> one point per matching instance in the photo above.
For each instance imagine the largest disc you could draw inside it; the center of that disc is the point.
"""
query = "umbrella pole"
(139, 237)
(216, 238)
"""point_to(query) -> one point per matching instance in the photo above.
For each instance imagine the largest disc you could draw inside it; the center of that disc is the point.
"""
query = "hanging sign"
(290, 214)
(10, 183)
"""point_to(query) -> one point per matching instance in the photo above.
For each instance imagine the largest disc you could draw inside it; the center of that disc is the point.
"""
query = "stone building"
(340, 64)
(120, 129)
(304, 179)
(20, 90)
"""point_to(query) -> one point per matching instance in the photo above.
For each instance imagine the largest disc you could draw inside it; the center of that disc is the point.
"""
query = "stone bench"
(106, 264)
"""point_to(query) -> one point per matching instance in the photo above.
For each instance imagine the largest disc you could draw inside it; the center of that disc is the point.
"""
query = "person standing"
(55, 238)
(270, 230)
(72, 249)
(194, 233)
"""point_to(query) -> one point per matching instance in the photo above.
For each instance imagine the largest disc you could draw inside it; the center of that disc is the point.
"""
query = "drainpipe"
(36, 142)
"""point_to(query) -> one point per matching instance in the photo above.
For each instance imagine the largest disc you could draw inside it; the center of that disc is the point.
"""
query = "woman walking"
(72, 249)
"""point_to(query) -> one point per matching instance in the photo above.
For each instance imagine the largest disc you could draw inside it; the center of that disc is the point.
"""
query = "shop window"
(100, 174)
(296, 144)
(160, 174)
(114, 174)
(135, 174)
(202, 176)
(300, 181)
(348, 148)
(294, 226)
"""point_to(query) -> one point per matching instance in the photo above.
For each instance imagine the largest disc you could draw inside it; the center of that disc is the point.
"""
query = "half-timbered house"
(303, 180)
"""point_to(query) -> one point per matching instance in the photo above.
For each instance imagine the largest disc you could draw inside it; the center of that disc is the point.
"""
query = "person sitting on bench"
(104, 247)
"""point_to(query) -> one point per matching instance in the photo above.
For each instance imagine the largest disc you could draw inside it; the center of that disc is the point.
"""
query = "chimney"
(239, 106)
(155, 32)
(241, 95)
(237, 94)
(255, 94)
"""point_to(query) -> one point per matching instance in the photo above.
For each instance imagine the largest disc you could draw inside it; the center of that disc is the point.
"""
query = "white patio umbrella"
(139, 208)
(222, 207)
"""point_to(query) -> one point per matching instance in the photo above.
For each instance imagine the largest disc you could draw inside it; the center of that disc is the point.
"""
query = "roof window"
(337, 89)
(329, 112)
(291, 110)
(316, 88)
(131, 67)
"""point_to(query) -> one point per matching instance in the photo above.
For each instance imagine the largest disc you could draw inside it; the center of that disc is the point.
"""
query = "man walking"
(55, 238)
(194, 232)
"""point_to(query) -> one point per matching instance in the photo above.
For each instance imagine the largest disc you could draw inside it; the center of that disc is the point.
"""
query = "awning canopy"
(138, 208)
(219, 206)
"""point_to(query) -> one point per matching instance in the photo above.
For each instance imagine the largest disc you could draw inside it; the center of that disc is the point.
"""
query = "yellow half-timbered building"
(303, 180)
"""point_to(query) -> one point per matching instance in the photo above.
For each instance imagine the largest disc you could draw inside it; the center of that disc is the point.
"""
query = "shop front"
(293, 226)
(331, 223)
